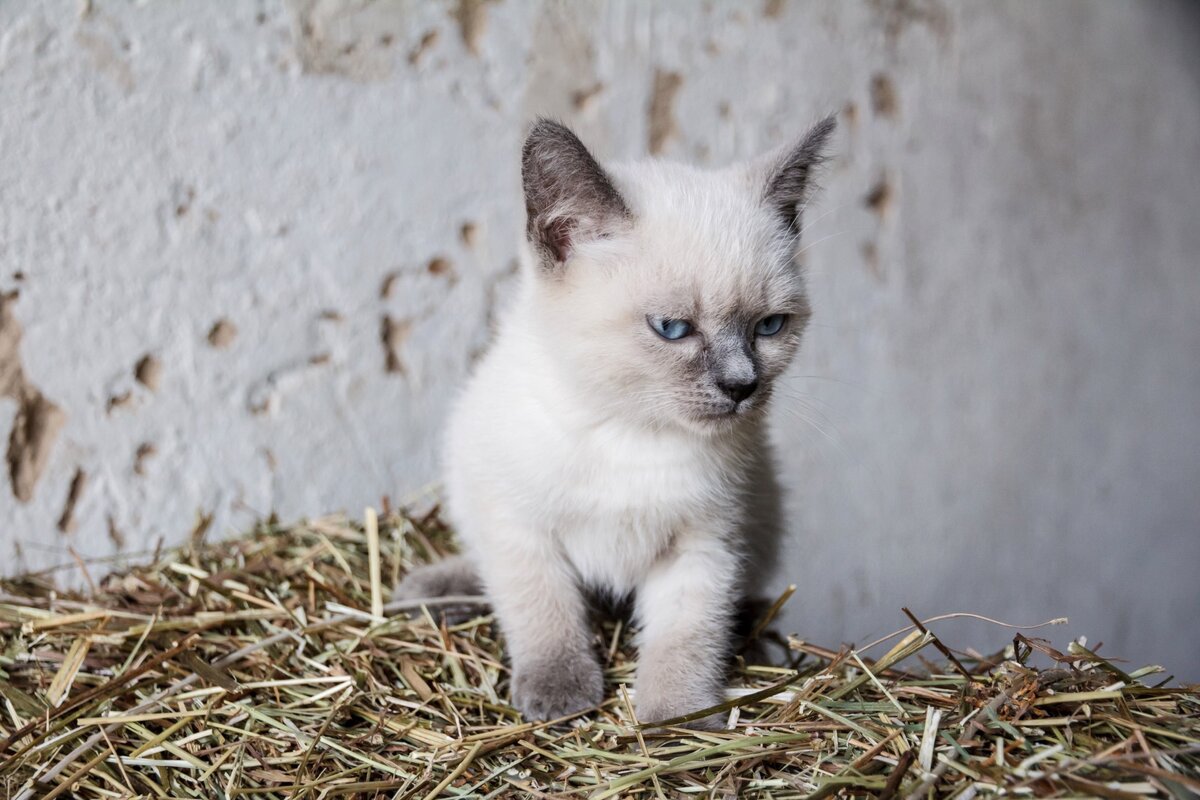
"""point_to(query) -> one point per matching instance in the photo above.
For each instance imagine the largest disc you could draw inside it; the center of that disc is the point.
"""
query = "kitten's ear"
(789, 174)
(568, 196)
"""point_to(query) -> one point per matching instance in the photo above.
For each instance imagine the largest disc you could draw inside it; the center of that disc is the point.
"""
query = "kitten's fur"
(590, 453)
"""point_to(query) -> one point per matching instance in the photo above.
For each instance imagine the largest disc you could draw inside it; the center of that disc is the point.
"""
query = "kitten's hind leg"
(454, 575)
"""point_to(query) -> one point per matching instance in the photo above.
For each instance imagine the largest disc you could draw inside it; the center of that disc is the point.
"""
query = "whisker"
(808, 247)
(819, 217)
(830, 378)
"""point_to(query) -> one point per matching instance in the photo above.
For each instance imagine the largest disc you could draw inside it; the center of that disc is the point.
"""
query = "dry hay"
(260, 668)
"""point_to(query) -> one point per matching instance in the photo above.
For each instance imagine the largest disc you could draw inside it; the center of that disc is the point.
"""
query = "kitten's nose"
(738, 391)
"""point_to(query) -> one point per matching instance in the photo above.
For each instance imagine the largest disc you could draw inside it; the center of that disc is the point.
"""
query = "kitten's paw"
(556, 687)
(450, 576)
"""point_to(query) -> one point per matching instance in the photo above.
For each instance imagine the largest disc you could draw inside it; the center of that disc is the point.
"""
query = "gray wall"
(995, 410)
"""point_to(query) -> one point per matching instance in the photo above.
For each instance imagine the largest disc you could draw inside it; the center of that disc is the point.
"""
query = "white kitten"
(612, 439)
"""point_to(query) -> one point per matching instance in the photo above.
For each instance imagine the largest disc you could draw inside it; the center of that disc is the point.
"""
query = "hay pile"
(260, 668)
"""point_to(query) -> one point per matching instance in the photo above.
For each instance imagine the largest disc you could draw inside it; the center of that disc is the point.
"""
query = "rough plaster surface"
(257, 247)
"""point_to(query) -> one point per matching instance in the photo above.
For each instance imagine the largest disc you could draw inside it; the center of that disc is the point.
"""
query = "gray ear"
(568, 196)
(789, 182)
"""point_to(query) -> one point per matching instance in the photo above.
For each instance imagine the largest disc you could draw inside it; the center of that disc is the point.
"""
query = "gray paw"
(557, 687)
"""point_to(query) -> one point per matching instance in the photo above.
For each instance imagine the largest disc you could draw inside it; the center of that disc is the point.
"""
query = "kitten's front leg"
(685, 607)
(544, 618)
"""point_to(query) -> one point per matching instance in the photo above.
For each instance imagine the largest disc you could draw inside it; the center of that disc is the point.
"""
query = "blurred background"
(248, 252)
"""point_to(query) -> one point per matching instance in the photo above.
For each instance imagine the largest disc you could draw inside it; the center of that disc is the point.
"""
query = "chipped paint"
(347, 40)
(881, 197)
(145, 451)
(850, 115)
(870, 256)
(441, 267)
(392, 333)
(108, 50)
(222, 334)
(115, 536)
(66, 522)
(388, 286)
(884, 101)
(148, 371)
(899, 16)
(31, 441)
(468, 234)
(422, 48)
(585, 99)
(119, 400)
(471, 16)
(661, 123)
(38, 421)
(12, 375)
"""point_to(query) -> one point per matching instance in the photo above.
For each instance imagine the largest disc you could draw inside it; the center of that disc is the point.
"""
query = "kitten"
(613, 437)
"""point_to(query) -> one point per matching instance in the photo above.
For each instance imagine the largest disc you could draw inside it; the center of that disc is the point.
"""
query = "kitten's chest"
(618, 504)
(640, 493)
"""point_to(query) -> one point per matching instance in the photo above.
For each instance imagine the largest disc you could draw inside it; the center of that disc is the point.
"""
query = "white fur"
(589, 453)
(568, 463)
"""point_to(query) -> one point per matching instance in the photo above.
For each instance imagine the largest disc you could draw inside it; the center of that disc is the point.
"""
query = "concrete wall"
(247, 251)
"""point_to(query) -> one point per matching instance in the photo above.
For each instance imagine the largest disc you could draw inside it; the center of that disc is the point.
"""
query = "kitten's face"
(690, 315)
(680, 305)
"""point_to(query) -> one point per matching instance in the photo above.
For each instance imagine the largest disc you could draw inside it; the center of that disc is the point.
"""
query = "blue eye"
(769, 326)
(670, 328)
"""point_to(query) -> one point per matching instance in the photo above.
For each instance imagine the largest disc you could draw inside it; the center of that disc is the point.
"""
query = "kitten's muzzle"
(737, 391)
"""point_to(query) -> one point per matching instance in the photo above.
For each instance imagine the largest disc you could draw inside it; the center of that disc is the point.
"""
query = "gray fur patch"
(790, 181)
(730, 358)
(455, 575)
(567, 193)
(558, 684)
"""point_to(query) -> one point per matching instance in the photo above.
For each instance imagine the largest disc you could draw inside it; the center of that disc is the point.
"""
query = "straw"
(371, 521)
(269, 666)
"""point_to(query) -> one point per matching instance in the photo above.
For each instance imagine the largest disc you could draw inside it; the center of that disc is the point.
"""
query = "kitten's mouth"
(727, 411)
(715, 414)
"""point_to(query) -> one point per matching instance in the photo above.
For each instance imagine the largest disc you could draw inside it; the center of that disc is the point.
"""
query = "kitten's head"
(671, 294)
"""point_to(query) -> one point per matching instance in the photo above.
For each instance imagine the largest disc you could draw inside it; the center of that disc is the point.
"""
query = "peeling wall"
(37, 422)
(246, 256)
